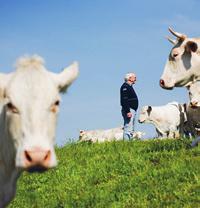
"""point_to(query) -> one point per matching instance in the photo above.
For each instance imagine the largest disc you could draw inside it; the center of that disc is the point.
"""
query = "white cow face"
(144, 114)
(31, 106)
(81, 134)
(85, 136)
(183, 62)
(194, 94)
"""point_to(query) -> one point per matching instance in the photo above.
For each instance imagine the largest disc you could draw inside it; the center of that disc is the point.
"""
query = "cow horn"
(178, 35)
(171, 40)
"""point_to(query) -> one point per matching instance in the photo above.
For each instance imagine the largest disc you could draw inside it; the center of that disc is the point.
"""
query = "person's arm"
(134, 100)
(124, 99)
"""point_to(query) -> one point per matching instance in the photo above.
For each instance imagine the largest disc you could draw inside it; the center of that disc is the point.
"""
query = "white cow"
(194, 94)
(29, 106)
(183, 63)
(102, 135)
(165, 118)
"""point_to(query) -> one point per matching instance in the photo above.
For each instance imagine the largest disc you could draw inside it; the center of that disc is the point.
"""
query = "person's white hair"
(128, 75)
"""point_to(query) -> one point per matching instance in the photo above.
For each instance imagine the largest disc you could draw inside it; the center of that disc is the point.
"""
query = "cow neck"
(155, 119)
(7, 150)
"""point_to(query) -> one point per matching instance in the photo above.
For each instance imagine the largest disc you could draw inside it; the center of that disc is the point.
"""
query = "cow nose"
(37, 159)
(162, 83)
(174, 55)
(140, 121)
(175, 52)
(193, 104)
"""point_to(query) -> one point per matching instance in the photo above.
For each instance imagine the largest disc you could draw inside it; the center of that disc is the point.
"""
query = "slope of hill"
(156, 173)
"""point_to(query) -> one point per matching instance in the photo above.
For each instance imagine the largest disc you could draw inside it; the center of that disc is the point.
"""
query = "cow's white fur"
(165, 118)
(102, 135)
(29, 106)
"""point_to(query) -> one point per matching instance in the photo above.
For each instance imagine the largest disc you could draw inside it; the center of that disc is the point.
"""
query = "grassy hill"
(118, 174)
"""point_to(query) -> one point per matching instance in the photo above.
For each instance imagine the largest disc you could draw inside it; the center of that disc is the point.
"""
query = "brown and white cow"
(183, 63)
(29, 99)
(193, 120)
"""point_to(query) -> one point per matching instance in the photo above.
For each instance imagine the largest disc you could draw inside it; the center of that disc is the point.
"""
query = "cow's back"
(168, 113)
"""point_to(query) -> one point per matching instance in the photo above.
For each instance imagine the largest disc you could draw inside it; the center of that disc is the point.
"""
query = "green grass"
(118, 174)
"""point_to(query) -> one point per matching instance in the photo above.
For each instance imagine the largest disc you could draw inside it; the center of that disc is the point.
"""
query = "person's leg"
(133, 120)
(127, 126)
(132, 124)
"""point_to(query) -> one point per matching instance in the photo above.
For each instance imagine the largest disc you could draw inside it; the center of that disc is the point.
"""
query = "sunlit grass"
(117, 174)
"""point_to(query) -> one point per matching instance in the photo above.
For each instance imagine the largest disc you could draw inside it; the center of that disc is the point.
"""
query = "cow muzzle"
(163, 85)
(37, 160)
(141, 121)
(194, 104)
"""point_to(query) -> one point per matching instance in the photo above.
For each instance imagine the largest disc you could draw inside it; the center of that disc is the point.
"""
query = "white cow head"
(194, 94)
(81, 134)
(144, 114)
(85, 136)
(183, 63)
(31, 102)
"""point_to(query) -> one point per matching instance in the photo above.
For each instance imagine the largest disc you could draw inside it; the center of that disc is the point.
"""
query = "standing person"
(129, 103)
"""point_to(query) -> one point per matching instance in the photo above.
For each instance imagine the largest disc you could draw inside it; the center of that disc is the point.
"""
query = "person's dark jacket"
(128, 98)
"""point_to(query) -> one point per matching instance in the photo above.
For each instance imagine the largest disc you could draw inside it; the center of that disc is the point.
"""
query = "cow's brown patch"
(191, 46)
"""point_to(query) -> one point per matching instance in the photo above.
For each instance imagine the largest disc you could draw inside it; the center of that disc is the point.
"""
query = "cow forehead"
(31, 85)
(179, 44)
(182, 43)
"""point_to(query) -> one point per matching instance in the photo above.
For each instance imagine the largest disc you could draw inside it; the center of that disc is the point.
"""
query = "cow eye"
(57, 103)
(54, 107)
(12, 108)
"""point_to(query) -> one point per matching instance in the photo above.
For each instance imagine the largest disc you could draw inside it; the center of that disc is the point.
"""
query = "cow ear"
(81, 132)
(149, 110)
(65, 78)
(4, 79)
(191, 46)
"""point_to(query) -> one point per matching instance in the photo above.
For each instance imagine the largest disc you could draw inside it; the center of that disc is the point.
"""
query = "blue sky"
(109, 38)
